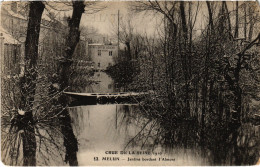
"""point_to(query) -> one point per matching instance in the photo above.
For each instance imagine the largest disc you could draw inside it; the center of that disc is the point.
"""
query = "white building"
(103, 55)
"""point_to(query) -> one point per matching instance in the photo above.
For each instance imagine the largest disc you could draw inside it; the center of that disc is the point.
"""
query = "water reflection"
(36, 144)
(70, 141)
(45, 139)
(75, 135)
(103, 84)
(111, 127)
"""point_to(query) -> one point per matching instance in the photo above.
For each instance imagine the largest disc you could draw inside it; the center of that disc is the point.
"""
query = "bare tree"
(236, 23)
(72, 40)
(28, 84)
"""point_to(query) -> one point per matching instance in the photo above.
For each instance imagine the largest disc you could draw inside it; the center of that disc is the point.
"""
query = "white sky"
(106, 21)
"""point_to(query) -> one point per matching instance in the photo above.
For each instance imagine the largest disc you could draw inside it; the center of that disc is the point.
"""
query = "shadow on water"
(16, 138)
(223, 144)
(123, 127)
(48, 139)
(59, 135)
(54, 141)
(70, 141)
(127, 127)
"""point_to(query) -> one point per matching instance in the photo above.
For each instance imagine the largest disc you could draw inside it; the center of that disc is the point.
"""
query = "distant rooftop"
(96, 44)
(99, 44)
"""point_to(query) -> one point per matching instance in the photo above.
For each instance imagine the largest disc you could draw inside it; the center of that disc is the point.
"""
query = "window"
(99, 52)
(110, 53)
(109, 86)
(14, 7)
(98, 64)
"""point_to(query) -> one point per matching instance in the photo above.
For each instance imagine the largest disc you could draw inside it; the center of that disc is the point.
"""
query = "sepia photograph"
(130, 83)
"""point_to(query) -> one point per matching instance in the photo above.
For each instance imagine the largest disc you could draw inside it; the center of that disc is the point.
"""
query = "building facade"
(14, 22)
(10, 50)
(103, 55)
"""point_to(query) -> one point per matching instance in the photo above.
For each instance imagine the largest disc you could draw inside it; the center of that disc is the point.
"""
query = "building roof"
(8, 38)
(96, 44)
(101, 44)
(9, 12)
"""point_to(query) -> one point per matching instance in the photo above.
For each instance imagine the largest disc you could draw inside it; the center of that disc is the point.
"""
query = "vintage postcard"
(130, 83)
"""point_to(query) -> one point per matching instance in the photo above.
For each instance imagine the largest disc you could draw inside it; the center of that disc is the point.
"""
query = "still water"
(116, 134)
(106, 131)
(103, 128)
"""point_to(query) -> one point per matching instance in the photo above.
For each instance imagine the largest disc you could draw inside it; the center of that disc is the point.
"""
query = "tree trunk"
(183, 20)
(245, 22)
(236, 87)
(128, 47)
(251, 24)
(228, 16)
(70, 141)
(184, 56)
(210, 15)
(206, 71)
(236, 24)
(220, 104)
(28, 82)
(29, 146)
(71, 42)
(222, 19)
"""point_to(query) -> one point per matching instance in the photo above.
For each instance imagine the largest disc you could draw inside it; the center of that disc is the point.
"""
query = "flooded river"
(121, 134)
(101, 129)
(118, 134)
